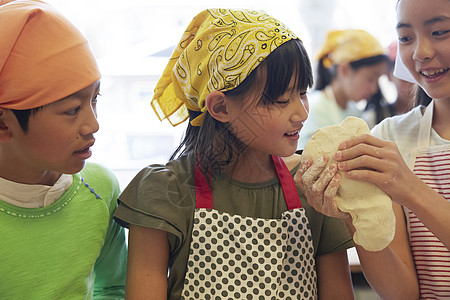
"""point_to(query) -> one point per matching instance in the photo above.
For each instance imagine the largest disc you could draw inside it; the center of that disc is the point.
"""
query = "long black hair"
(213, 145)
(421, 97)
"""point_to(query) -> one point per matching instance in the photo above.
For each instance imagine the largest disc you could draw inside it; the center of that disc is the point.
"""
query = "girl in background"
(349, 65)
(223, 218)
(378, 107)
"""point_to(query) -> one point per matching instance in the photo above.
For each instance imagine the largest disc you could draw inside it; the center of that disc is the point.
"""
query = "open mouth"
(82, 150)
(434, 74)
(85, 149)
(294, 133)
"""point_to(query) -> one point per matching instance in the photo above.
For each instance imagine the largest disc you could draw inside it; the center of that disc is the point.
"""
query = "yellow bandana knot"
(218, 50)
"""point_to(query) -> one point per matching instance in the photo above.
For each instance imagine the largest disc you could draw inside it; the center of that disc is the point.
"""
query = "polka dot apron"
(236, 257)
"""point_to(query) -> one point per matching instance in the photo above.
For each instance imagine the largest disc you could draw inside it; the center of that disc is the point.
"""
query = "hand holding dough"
(370, 207)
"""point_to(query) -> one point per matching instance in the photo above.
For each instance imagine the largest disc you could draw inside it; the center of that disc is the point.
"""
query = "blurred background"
(134, 39)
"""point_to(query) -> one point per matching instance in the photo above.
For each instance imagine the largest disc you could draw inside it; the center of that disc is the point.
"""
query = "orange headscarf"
(43, 57)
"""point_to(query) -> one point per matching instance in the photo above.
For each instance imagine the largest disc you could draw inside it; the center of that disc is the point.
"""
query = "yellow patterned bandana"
(343, 46)
(218, 50)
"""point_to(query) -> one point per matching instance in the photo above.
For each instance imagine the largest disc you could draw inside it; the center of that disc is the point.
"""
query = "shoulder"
(98, 175)
(102, 180)
(180, 170)
(160, 182)
(399, 127)
(403, 130)
(97, 171)
(160, 196)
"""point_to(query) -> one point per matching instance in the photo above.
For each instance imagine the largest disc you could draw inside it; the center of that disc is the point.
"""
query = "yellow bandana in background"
(218, 50)
(344, 46)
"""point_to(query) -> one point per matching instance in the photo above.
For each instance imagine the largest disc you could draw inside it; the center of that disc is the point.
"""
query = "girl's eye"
(403, 39)
(439, 33)
(304, 96)
(283, 101)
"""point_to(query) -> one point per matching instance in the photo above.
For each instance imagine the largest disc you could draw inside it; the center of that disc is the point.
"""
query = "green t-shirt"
(163, 197)
(70, 249)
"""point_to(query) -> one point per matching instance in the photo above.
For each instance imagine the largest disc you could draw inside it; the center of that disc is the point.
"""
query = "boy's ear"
(216, 103)
(5, 132)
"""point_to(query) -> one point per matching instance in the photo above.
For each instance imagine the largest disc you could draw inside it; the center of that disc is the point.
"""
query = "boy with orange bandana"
(58, 237)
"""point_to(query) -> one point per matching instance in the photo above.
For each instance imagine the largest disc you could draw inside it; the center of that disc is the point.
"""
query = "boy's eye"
(73, 111)
(95, 100)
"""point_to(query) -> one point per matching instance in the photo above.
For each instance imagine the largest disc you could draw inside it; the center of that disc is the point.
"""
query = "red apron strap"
(204, 198)
(287, 183)
(203, 194)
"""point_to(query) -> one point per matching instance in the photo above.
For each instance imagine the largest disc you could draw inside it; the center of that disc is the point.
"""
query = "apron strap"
(423, 139)
(425, 127)
(204, 197)
(287, 184)
(203, 194)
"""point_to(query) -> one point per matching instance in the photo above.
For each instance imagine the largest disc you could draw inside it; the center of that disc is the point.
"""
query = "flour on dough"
(370, 207)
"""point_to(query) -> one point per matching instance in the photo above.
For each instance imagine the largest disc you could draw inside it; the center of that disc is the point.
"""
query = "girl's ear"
(343, 69)
(216, 103)
(5, 132)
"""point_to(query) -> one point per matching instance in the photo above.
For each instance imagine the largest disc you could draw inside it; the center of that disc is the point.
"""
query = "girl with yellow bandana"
(224, 215)
(349, 65)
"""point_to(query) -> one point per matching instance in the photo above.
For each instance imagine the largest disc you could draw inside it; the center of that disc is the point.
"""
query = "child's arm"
(392, 264)
(110, 267)
(333, 277)
(391, 271)
(148, 256)
(371, 159)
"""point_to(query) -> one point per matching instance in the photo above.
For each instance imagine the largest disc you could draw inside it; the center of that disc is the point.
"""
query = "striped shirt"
(431, 257)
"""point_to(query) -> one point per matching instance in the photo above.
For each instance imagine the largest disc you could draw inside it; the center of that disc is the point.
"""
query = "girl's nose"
(423, 50)
(301, 109)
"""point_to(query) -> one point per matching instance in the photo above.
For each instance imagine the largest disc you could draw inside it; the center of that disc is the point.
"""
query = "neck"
(339, 95)
(252, 168)
(12, 172)
(403, 105)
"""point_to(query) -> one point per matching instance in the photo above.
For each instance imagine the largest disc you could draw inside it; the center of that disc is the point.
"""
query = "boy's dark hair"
(325, 76)
(212, 144)
(23, 116)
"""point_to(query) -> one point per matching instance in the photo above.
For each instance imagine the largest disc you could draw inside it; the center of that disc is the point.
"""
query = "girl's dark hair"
(378, 103)
(212, 144)
(23, 116)
(422, 98)
(326, 75)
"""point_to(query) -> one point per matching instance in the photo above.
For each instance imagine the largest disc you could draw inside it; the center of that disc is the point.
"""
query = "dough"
(370, 207)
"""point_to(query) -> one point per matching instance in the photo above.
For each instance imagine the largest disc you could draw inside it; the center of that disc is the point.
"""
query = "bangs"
(278, 68)
(287, 60)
